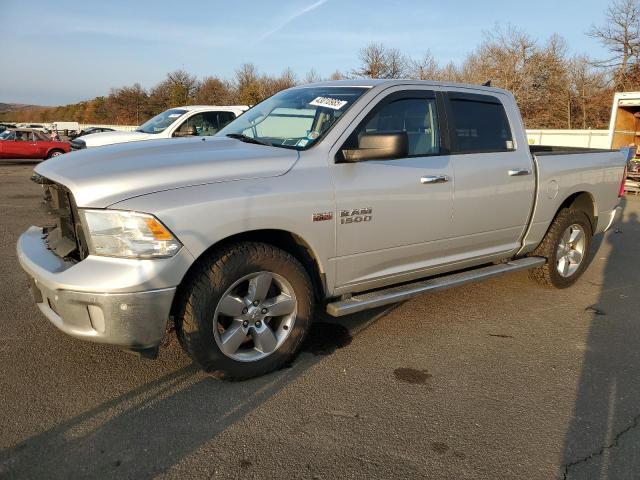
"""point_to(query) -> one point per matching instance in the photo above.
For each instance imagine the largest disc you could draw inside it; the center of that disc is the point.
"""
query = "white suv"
(193, 120)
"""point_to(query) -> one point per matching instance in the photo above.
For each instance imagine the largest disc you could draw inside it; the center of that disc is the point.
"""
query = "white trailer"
(61, 126)
(624, 127)
(624, 130)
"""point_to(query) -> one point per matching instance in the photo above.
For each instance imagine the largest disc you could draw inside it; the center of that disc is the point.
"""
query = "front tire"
(566, 247)
(55, 153)
(244, 311)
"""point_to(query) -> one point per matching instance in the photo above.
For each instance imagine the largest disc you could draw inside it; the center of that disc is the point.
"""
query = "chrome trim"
(519, 172)
(434, 179)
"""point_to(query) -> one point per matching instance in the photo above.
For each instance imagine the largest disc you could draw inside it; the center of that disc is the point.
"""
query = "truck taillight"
(624, 179)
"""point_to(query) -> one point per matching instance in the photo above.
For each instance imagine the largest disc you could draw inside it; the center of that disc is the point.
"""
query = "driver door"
(394, 215)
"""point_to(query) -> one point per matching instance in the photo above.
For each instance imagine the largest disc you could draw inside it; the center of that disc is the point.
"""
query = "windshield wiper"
(248, 139)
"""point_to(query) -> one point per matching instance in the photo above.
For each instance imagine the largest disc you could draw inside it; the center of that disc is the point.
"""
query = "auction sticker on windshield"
(333, 103)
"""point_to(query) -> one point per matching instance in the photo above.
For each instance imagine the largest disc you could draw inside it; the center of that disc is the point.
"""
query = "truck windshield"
(295, 118)
(160, 122)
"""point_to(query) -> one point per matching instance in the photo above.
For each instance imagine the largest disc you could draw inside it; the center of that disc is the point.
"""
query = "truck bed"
(573, 170)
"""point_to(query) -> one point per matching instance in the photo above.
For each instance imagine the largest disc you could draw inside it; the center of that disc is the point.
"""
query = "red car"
(28, 143)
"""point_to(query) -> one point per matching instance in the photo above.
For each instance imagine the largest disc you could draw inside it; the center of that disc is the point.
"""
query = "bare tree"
(397, 64)
(450, 73)
(214, 91)
(590, 94)
(373, 61)
(247, 85)
(337, 75)
(425, 68)
(129, 104)
(312, 76)
(620, 34)
(271, 85)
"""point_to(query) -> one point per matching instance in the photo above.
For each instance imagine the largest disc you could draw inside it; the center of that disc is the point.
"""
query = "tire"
(55, 153)
(222, 299)
(556, 272)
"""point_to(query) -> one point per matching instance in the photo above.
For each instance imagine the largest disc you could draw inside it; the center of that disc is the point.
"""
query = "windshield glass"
(160, 122)
(6, 135)
(295, 118)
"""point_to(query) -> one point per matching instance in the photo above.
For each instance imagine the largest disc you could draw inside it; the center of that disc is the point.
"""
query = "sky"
(65, 51)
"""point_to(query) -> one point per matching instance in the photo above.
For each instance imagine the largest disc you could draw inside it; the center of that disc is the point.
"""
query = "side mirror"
(379, 146)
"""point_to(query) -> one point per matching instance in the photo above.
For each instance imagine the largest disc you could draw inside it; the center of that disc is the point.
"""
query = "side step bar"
(378, 298)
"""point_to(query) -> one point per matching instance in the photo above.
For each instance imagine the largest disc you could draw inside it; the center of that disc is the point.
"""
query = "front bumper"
(107, 300)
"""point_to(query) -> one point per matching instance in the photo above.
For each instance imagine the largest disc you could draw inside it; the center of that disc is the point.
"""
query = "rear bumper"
(612, 218)
(86, 299)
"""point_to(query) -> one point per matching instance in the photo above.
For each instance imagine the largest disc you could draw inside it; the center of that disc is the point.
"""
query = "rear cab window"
(478, 124)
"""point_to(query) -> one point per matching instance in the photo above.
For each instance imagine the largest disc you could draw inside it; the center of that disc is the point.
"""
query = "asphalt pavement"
(500, 379)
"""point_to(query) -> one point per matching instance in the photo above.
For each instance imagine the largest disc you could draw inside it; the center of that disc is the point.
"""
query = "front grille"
(65, 236)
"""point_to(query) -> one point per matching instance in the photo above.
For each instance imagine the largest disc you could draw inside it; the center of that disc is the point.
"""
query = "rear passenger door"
(494, 178)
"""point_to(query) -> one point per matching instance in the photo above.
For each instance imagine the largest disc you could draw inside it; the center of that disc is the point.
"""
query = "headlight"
(118, 233)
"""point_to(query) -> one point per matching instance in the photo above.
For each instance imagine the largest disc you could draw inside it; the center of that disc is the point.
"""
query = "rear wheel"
(566, 248)
(245, 311)
(55, 153)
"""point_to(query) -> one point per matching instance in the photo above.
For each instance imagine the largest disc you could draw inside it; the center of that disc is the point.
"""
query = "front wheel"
(566, 248)
(245, 311)
(55, 153)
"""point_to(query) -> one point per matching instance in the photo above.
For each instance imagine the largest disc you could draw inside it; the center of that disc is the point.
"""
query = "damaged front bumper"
(123, 302)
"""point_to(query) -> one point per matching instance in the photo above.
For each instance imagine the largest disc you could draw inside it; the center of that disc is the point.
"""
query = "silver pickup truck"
(344, 195)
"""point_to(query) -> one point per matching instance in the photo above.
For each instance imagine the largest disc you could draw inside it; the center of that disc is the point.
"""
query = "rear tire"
(223, 319)
(566, 247)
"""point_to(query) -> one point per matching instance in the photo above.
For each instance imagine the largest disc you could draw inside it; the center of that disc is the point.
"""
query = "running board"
(378, 298)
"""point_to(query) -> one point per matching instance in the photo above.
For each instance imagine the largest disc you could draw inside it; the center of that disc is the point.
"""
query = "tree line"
(553, 89)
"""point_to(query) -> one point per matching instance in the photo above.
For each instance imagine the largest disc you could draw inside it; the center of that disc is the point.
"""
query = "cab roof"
(385, 83)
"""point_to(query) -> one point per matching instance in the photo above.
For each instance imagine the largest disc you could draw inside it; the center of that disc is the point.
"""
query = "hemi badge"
(321, 217)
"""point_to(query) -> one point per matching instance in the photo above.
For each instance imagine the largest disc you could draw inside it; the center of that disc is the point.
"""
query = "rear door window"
(478, 124)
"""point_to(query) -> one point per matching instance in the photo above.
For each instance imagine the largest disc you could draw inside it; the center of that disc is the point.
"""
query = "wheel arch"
(54, 149)
(584, 202)
(283, 239)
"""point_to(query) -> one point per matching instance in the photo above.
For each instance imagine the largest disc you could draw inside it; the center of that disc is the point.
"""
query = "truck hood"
(109, 138)
(103, 176)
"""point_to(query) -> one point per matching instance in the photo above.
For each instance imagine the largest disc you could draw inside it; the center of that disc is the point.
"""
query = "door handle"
(519, 172)
(434, 179)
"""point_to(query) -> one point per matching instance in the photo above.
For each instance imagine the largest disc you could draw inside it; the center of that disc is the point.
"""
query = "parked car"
(193, 120)
(348, 195)
(29, 143)
(90, 130)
